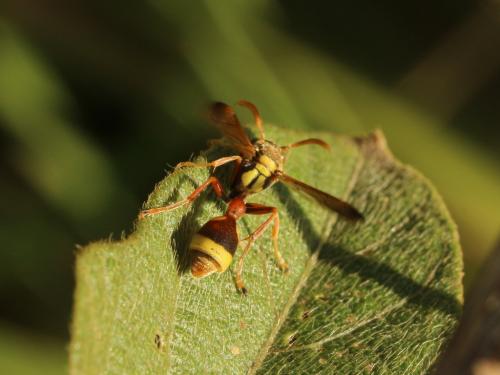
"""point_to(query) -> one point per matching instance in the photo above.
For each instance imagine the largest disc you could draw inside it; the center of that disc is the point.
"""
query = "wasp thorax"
(271, 152)
(203, 265)
(258, 173)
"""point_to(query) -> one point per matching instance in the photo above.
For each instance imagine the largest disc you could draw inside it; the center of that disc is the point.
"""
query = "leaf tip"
(374, 142)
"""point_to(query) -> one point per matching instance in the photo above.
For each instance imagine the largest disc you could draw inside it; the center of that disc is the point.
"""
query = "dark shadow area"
(365, 34)
(349, 263)
(298, 215)
(421, 295)
(476, 119)
(187, 227)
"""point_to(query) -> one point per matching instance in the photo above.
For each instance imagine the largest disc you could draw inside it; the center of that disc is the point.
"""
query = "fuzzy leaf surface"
(380, 296)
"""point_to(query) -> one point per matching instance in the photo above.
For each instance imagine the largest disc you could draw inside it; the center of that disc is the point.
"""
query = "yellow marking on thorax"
(269, 163)
(258, 185)
(262, 169)
(249, 176)
(218, 252)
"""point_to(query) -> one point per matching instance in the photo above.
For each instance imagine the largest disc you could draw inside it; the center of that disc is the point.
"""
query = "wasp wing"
(327, 200)
(224, 118)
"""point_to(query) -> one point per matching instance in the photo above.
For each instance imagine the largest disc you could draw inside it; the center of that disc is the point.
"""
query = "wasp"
(258, 165)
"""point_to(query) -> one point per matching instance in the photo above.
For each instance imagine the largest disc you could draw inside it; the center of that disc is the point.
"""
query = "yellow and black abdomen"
(213, 246)
(254, 175)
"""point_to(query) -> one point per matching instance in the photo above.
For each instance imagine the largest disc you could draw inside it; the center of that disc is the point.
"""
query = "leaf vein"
(313, 259)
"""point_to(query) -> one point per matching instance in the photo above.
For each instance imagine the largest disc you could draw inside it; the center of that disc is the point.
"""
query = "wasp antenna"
(256, 115)
(309, 141)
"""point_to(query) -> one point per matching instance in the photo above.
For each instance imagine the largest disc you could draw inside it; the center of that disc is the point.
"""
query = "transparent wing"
(224, 118)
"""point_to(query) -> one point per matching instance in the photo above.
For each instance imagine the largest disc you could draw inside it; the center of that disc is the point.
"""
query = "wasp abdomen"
(213, 246)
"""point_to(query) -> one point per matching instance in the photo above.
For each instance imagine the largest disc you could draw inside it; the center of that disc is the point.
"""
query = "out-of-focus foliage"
(97, 99)
(23, 353)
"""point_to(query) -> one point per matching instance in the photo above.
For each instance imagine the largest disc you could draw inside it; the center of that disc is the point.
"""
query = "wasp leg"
(214, 164)
(257, 209)
(212, 181)
(256, 116)
(239, 270)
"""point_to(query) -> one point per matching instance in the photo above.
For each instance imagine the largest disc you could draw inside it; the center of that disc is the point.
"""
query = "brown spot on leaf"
(158, 341)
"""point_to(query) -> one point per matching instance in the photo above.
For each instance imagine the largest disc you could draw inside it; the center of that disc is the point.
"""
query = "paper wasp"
(259, 165)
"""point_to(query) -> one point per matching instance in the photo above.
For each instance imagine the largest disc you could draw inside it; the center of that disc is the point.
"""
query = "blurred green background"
(99, 99)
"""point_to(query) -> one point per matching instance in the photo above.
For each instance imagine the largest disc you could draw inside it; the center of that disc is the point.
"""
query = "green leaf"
(381, 296)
